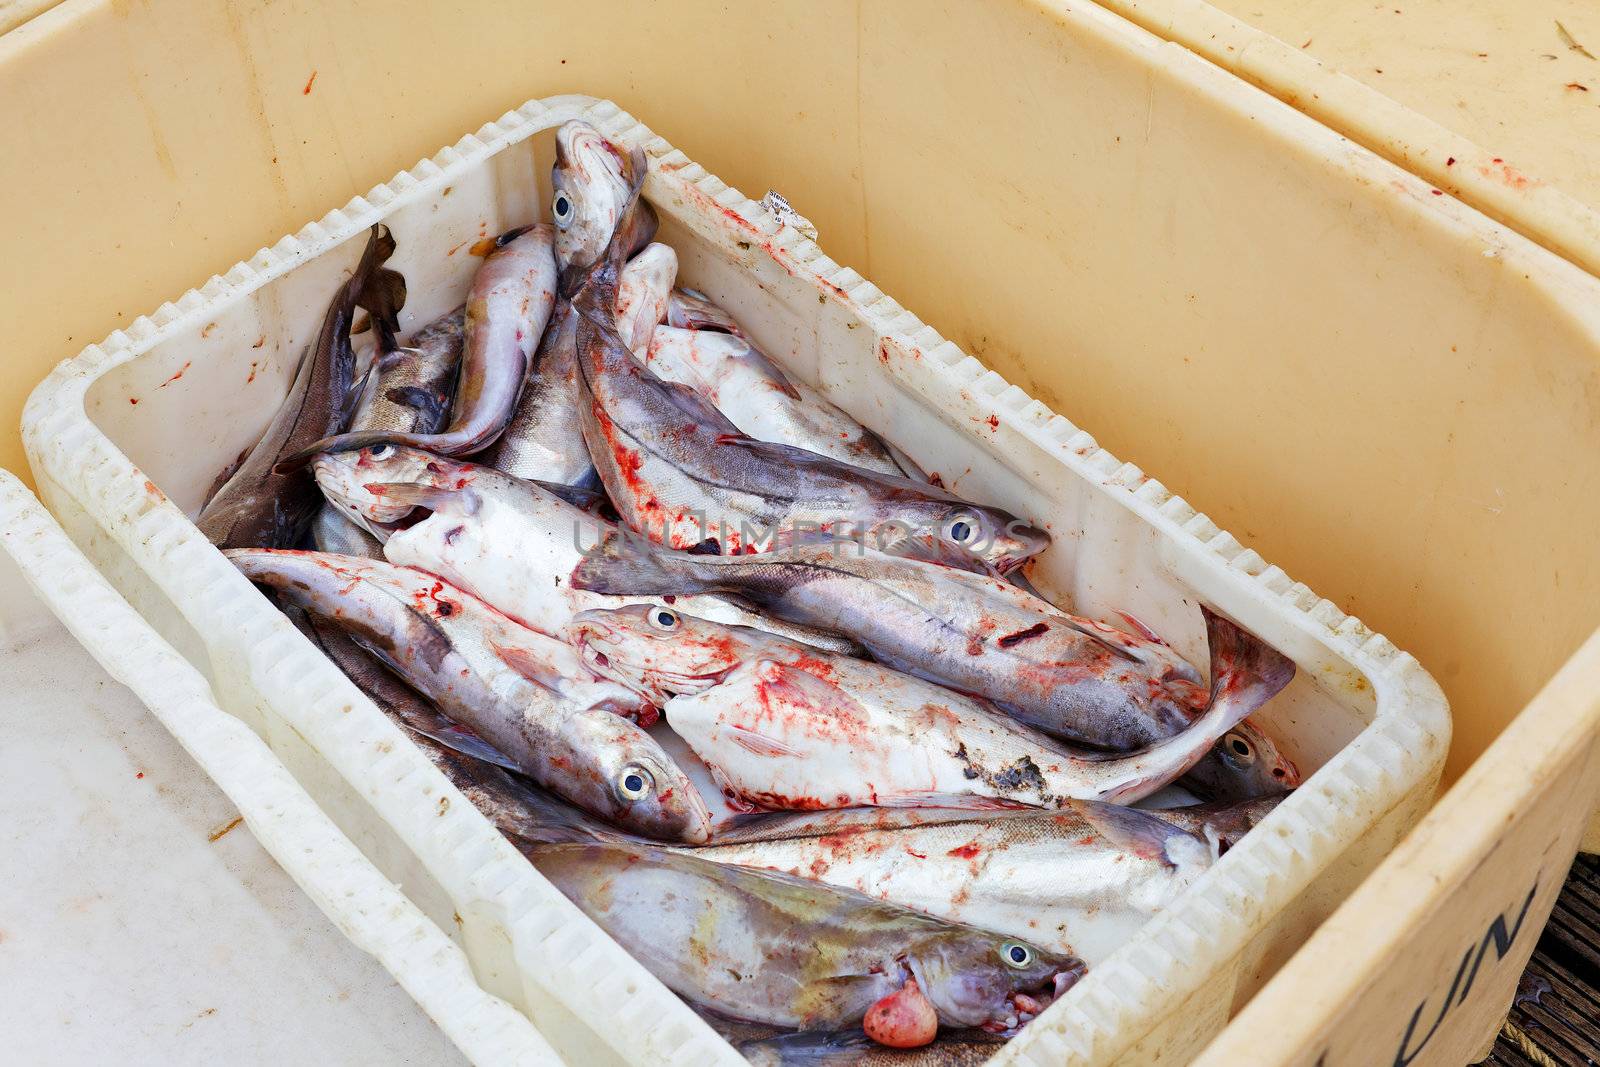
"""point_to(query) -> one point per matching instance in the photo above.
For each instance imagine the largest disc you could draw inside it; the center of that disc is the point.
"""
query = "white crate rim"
(1405, 738)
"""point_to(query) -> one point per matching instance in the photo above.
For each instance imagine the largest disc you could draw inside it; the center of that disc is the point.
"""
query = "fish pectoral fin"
(457, 501)
(531, 667)
(1143, 835)
(759, 744)
(788, 684)
(1100, 639)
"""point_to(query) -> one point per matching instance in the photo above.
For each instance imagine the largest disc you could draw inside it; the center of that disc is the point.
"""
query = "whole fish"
(591, 176)
(642, 292)
(1081, 880)
(705, 349)
(259, 506)
(782, 951)
(408, 389)
(508, 306)
(521, 691)
(1073, 678)
(680, 472)
(510, 542)
(786, 727)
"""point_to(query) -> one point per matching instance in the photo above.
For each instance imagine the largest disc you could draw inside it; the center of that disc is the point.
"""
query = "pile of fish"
(781, 716)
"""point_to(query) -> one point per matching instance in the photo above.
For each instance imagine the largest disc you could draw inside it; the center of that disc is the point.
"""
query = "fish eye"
(1238, 749)
(1016, 954)
(380, 451)
(634, 783)
(962, 528)
(563, 209)
(664, 619)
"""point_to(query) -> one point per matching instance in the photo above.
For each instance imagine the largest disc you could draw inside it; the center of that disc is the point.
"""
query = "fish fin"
(381, 291)
(912, 469)
(227, 473)
(753, 354)
(536, 670)
(1134, 831)
(1245, 670)
(1083, 628)
(953, 801)
(511, 235)
(759, 744)
(1140, 628)
(460, 739)
(690, 309)
(462, 501)
(576, 495)
(943, 552)
(432, 405)
(623, 564)
(795, 685)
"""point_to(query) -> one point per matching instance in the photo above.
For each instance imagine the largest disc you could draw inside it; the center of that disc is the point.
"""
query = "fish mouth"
(1022, 543)
(1022, 1007)
(654, 684)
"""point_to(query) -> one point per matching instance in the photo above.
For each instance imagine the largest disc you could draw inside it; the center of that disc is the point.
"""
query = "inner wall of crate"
(197, 400)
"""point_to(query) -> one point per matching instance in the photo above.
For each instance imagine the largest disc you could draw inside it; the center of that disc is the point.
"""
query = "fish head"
(1245, 763)
(346, 478)
(956, 528)
(630, 780)
(660, 652)
(988, 981)
(590, 178)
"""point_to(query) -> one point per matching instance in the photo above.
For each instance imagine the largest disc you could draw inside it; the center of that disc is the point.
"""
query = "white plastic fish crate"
(125, 438)
(342, 882)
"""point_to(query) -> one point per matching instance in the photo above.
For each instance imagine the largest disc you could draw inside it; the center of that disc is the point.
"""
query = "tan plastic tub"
(126, 437)
(1365, 378)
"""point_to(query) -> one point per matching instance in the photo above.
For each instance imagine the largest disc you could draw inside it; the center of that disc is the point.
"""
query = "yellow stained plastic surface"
(1398, 408)
(1495, 71)
(1401, 433)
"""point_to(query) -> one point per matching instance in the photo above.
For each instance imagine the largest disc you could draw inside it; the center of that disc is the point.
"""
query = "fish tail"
(381, 292)
(431, 405)
(1246, 672)
(624, 564)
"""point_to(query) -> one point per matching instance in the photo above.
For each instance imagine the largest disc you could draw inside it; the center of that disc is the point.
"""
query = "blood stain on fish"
(309, 83)
(1013, 639)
